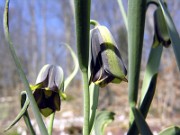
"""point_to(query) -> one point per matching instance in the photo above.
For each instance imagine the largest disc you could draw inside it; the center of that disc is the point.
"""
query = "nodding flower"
(161, 31)
(46, 91)
(106, 63)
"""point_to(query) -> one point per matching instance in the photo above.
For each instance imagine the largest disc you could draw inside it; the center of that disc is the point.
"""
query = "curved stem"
(76, 67)
(86, 104)
(24, 106)
(25, 102)
(94, 22)
(123, 13)
(152, 2)
(50, 128)
(22, 74)
(73, 73)
(28, 123)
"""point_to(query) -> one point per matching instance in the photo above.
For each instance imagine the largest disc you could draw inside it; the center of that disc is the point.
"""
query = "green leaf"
(174, 130)
(103, 118)
(145, 104)
(149, 83)
(174, 36)
(141, 123)
(24, 106)
(151, 68)
(94, 96)
(75, 70)
(82, 19)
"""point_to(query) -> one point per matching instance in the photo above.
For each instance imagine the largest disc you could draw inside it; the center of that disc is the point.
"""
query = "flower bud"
(161, 31)
(106, 63)
(46, 92)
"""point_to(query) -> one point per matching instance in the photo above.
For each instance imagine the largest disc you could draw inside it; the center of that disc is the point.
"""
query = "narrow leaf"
(94, 96)
(141, 123)
(145, 104)
(151, 68)
(174, 130)
(75, 70)
(174, 36)
(82, 18)
(103, 118)
(21, 113)
(123, 12)
(149, 83)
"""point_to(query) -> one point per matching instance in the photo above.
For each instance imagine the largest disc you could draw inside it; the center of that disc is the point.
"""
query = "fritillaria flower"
(161, 32)
(106, 63)
(47, 90)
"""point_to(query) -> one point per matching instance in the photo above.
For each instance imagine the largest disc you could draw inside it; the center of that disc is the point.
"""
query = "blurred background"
(38, 29)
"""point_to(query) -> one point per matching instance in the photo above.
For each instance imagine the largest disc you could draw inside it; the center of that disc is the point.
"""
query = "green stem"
(50, 128)
(28, 123)
(136, 21)
(82, 17)
(86, 105)
(94, 95)
(76, 67)
(25, 102)
(94, 22)
(24, 106)
(123, 13)
(22, 74)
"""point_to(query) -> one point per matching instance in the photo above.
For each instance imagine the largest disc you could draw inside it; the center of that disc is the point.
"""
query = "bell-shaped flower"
(161, 32)
(49, 84)
(106, 63)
